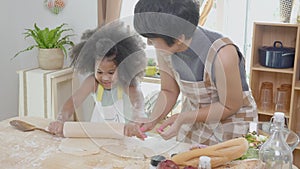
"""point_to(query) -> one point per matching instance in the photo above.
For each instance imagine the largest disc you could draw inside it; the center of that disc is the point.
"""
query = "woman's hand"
(133, 129)
(173, 129)
(147, 125)
(56, 127)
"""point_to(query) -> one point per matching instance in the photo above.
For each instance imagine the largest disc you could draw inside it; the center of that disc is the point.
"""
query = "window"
(234, 18)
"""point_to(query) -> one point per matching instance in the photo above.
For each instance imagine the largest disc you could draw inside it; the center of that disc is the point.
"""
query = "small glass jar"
(204, 162)
(155, 160)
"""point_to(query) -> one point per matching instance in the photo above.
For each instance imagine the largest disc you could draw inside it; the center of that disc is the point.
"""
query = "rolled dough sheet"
(132, 147)
(93, 130)
(124, 151)
(79, 146)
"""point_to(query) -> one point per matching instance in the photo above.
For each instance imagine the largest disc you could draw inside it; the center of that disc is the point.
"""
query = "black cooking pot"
(276, 56)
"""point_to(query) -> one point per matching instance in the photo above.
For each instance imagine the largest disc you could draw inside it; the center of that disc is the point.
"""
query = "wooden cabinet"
(42, 92)
(264, 34)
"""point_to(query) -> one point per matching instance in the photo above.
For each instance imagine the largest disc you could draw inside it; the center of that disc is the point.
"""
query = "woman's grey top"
(190, 63)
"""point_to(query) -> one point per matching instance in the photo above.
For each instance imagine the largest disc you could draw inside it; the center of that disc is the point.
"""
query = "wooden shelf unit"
(264, 34)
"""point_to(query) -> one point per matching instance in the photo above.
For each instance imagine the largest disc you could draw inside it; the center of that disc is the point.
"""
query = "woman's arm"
(137, 101)
(167, 96)
(229, 87)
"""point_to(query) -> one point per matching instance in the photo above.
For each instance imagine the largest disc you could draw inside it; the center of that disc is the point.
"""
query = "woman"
(207, 68)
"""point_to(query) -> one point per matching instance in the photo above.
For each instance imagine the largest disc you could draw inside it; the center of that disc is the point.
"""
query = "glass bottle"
(275, 152)
(204, 162)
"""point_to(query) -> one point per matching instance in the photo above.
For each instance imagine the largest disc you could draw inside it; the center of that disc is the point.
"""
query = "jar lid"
(156, 159)
(204, 161)
(279, 117)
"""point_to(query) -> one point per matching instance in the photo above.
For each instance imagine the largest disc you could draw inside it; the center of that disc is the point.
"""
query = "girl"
(114, 60)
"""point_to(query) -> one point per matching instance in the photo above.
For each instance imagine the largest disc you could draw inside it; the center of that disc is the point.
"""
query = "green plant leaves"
(49, 38)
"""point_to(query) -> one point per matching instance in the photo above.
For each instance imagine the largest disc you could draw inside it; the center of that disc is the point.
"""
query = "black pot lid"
(277, 46)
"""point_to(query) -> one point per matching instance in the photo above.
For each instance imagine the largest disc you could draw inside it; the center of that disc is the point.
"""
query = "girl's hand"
(56, 127)
(133, 129)
(173, 129)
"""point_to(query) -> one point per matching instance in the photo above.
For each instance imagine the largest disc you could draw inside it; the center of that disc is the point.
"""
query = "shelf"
(271, 114)
(280, 24)
(297, 85)
(258, 67)
(265, 34)
(298, 147)
(151, 80)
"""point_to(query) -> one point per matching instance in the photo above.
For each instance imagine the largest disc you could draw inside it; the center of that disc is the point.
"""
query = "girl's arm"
(89, 85)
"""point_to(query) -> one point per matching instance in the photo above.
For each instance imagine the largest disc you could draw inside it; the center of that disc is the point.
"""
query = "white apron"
(114, 112)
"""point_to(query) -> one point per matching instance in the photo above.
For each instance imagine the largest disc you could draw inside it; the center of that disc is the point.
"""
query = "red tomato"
(167, 164)
(189, 167)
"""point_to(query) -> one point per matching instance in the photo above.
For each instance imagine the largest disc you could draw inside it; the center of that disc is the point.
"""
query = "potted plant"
(51, 44)
(151, 68)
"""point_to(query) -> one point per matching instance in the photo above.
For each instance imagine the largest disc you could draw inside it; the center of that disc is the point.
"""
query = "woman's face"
(161, 45)
(106, 73)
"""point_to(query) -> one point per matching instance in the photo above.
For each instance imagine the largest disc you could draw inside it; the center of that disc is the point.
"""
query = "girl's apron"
(112, 112)
(203, 93)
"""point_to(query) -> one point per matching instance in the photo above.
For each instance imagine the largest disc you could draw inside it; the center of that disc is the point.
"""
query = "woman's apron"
(203, 93)
(114, 112)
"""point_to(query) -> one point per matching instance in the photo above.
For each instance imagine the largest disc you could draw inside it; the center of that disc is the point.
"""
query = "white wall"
(17, 15)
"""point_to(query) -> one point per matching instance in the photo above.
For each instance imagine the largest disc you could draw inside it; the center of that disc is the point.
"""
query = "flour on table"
(132, 147)
(132, 152)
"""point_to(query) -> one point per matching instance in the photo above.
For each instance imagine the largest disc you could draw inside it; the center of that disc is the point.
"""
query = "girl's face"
(106, 73)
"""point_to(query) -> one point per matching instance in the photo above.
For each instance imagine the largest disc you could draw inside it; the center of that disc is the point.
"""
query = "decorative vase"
(285, 10)
(51, 59)
(151, 70)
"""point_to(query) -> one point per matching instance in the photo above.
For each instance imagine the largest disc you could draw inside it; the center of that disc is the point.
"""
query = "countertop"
(39, 150)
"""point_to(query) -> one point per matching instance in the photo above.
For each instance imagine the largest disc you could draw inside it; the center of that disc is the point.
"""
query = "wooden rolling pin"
(92, 129)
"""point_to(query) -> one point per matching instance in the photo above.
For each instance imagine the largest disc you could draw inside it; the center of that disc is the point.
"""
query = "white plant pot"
(51, 59)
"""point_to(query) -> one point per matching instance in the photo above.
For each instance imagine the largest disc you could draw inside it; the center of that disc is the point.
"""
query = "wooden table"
(39, 150)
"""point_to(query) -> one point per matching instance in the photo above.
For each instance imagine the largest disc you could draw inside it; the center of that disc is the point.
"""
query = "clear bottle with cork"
(204, 162)
(275, 152)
